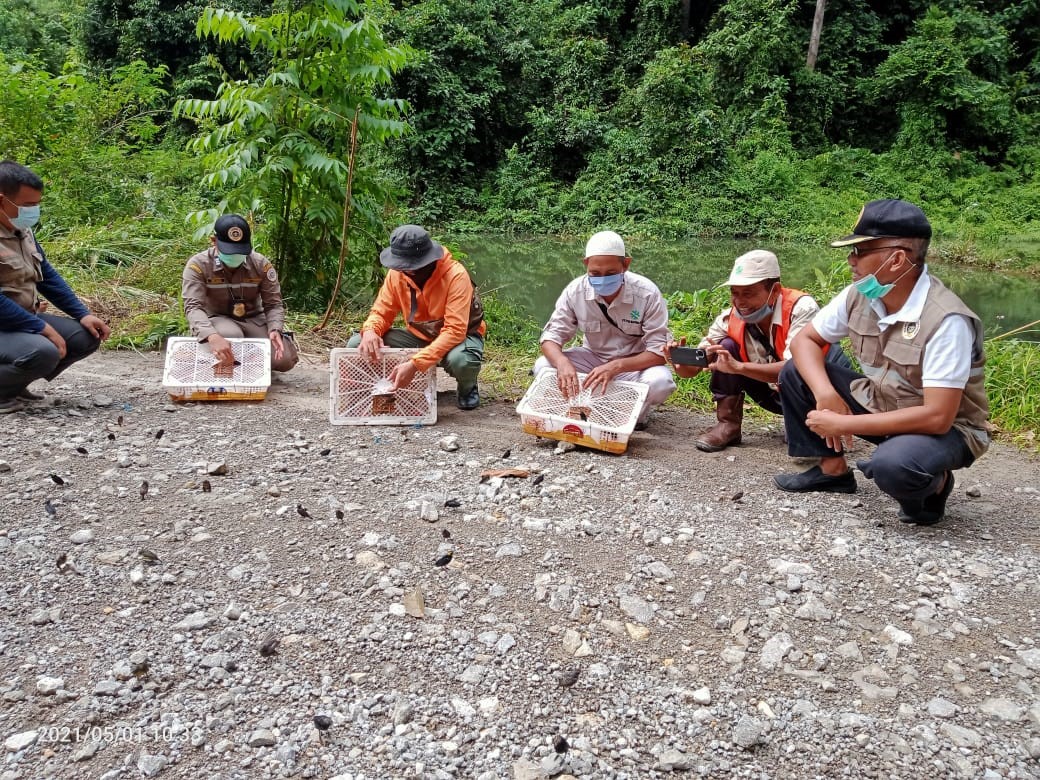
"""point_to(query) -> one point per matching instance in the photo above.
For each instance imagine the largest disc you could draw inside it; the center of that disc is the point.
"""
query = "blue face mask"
(231, 261)
(27, 217)
(607, 285)
(871, 289)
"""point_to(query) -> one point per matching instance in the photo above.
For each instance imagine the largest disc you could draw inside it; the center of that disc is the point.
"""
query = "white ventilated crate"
(191, 374)
(360, 392)
(603, 422)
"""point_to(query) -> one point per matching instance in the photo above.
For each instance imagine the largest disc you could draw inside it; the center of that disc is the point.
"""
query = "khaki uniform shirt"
(639, 312)
(250, 292)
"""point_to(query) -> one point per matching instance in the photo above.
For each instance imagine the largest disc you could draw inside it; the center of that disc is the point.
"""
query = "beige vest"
(892, 361)
(21, 267)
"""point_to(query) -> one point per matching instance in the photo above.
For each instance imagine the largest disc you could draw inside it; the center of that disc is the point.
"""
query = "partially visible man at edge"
(34, 345)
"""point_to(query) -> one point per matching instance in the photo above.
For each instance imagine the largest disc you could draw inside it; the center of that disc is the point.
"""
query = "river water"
(531, 272)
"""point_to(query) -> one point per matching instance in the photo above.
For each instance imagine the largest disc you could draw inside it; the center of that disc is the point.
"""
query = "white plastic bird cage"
(192, 373)
(361, 393)
(603, 422)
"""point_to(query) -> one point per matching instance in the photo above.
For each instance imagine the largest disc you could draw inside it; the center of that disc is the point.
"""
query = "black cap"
(887, 219)
(233, 235)
(411, 248)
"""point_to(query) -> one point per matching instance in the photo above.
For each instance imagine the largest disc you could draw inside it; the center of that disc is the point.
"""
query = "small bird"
(143, 489)
(339, 514)
(737, 496)
(301, 510)
(62, 561)
(325, 453)
(507, 453)
(159, 434)
(206, 487)
(567, 677)
(81, 450)
(538, 479)
(444, 560)
(560, 745)
(57, 480)
(453, 503)
(269, 645)
(111, 437)
(322, 722)
(445, 533)
(119, 420)
(48, 507)
(150, 557)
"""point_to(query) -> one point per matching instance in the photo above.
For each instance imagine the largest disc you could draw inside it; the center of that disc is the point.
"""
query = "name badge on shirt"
(239, 310)
(910, 329)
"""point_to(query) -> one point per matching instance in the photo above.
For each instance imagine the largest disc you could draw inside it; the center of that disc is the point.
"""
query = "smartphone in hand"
(689, 356)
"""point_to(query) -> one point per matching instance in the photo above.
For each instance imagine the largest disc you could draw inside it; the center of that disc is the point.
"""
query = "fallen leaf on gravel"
(637, 632)
(737, 496)
(269, 645)
(568, 677)
(560, 745)
(414, 603)
(519, 473)
(57, 480)
(538, 480)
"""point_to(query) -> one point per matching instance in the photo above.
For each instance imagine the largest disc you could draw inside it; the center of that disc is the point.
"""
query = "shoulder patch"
(195, 267)
(272, 274)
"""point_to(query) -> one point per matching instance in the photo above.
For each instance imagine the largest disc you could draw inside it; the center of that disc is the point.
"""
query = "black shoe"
(468, 400)
(932, 509)
(28, 395)
(815, 481)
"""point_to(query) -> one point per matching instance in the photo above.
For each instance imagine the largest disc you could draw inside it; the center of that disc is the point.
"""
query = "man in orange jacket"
(442, 313)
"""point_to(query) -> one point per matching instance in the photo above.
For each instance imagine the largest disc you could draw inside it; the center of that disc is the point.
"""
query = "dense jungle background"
(329, 122)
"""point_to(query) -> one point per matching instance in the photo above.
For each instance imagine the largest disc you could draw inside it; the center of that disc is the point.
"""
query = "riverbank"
(658, 612)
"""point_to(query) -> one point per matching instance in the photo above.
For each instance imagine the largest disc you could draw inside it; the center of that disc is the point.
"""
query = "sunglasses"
(858, 252)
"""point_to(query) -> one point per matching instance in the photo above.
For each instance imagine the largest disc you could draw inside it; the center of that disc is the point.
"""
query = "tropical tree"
(278, 146)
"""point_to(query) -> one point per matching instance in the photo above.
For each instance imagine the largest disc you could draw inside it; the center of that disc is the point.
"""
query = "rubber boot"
(730, 411)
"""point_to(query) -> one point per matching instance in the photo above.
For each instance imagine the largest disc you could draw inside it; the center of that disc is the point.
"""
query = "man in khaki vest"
(920, 398)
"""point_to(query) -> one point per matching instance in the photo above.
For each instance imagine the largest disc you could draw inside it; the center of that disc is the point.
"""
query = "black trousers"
(26, 357)
(907, 466)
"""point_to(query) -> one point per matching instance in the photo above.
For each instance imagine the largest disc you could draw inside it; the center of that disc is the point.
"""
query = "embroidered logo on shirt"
(910, 329)
(635, 314)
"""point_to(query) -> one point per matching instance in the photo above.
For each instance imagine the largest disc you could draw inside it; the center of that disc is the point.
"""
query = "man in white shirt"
(920, 398)
(624, 321)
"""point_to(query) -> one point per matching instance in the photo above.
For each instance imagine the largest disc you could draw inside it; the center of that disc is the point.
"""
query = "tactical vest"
(892, 360)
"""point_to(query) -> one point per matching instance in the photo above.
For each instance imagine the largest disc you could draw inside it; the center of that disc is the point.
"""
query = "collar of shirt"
(911, 310)
(626, 295)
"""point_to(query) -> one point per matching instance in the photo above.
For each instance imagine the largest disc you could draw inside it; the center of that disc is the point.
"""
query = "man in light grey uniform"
(624, 321)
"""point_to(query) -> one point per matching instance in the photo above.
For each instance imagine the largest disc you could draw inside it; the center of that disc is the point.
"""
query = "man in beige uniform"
(232, 292)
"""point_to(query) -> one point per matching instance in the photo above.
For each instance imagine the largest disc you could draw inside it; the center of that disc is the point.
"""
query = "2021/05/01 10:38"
(119, 733)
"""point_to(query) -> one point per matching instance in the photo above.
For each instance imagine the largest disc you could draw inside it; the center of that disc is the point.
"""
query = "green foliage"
(40, 31)
(948, 80)
(278, 146)
(1011, 368)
